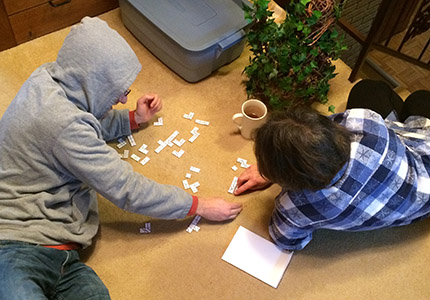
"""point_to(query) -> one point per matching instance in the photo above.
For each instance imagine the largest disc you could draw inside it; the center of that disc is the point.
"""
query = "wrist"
(138, 118)
(194, 206)
(133, 123)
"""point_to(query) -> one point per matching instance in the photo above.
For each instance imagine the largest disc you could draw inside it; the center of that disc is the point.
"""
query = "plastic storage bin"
(192, 37)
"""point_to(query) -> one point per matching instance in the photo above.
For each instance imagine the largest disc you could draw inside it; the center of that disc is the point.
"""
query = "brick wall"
(360, 13)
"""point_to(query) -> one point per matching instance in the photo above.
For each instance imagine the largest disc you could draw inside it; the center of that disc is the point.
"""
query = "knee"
(370, 84)
(420, 95)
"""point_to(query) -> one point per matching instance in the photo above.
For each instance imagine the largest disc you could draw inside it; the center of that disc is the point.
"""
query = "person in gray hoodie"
(54, 159)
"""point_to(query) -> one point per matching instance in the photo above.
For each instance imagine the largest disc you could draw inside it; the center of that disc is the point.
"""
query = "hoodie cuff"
(133, 124)
(193, 208)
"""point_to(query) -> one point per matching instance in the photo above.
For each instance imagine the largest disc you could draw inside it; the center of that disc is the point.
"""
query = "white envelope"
(257, 256)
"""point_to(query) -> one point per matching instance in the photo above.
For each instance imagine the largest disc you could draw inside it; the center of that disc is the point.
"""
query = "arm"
(82, 155)
(115, 124)
(119, 123)
(217, 209)
(286, 234)
(251, 180)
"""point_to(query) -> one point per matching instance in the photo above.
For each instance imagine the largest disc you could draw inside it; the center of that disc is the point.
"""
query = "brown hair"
(301, 149)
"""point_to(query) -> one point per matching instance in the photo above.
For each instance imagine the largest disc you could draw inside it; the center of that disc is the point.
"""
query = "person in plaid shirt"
(363, 169)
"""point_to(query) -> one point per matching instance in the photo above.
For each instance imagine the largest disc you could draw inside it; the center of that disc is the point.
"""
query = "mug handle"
(236, 118)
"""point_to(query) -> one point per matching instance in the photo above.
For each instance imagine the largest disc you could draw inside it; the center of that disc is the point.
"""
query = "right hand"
(251, 180)
(217, 209)
(147, 106)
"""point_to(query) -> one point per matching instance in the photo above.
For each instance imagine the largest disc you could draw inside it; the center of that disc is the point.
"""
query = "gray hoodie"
(53, 154)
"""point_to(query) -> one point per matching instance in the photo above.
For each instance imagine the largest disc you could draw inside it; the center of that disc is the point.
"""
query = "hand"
(251, 180)
(217, 209)
(147, 106)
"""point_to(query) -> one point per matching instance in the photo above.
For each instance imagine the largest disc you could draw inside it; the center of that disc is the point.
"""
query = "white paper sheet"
(257, 256)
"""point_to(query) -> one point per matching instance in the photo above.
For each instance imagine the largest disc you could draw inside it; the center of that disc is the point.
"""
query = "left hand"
(147, 106)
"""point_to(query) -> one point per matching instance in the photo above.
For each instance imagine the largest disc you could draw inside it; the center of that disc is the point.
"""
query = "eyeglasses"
(128, 91)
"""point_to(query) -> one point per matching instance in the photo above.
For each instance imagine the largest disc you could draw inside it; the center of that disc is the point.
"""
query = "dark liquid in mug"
(254, 112)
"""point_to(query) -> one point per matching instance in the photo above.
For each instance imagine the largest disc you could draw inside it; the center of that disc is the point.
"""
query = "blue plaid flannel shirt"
(385, 183)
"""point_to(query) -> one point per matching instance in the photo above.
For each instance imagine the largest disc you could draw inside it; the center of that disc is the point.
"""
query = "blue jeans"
(34, 272)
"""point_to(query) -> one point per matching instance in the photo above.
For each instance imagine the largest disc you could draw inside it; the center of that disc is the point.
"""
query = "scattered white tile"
(201, 122)
(194, 169)
(159, 122)
(179, 153)
(144, 149)
(131, 140)
(195, 184)
(189, 116)
(121, 144)
(126, 153)
(193, 224)
(194, 189)
(193, 138)
(234, 168)
(179, 143)
(146, 229)
(135, 157)
(144, 161)
(188, 175)
(185, 183)
(168, 141)
(233, 185)
(159, 148)
(172, 136)
(243, 162)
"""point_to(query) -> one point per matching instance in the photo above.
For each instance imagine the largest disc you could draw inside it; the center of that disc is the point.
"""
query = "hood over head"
(94, 66)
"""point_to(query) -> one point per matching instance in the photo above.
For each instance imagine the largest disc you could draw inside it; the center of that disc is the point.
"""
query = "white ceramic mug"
(253, 115)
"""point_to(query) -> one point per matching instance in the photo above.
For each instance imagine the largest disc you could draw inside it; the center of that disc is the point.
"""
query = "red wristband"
(193, 208)
(133, 124)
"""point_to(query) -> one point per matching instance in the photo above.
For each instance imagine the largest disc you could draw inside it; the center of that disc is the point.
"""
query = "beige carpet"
(172, 264)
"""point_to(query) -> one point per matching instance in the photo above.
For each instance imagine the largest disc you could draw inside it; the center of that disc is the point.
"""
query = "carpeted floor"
(172, 264)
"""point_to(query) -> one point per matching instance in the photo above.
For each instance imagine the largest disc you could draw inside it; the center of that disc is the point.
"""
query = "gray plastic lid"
(194, 24)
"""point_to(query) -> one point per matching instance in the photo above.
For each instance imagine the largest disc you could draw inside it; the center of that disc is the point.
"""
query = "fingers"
(236, 205)
(156, 105)
(242, 188)
(242, 183)
(153, 101)
(234, 213)
(217, 209)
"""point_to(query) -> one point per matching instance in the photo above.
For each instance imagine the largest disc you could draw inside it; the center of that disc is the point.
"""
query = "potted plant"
(291, 62)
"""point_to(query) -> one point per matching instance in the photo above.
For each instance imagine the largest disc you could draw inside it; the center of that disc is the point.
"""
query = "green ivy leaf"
(306, 31)
(313, 65)
(334, 34)
(317, 14)
(283, 68)
(296, 68)
(331, 109)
